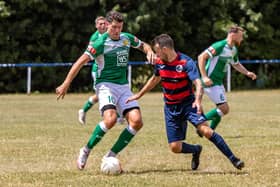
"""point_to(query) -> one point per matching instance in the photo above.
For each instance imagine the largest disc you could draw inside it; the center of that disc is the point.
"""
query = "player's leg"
(217, 95)
(217, 113)
(220, 143)
(82, 112)
(176, 129)
(108, 110)
(92, 99)
(132, 113)
(134, 125)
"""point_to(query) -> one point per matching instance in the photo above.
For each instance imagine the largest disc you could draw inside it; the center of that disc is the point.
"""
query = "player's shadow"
(247, 136)
(197, 172)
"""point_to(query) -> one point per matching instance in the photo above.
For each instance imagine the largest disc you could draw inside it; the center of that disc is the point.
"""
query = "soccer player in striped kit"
(178, 73)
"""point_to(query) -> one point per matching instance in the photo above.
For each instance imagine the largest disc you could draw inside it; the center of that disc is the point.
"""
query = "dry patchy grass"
(40, 139)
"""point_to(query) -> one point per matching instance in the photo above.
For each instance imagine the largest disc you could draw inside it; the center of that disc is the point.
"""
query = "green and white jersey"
(220, 54)
(112, 57)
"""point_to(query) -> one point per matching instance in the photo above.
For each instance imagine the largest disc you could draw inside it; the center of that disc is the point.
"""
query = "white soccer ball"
(110, 166)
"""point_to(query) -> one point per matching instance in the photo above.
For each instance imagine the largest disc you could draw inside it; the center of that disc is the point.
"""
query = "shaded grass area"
(40, 139)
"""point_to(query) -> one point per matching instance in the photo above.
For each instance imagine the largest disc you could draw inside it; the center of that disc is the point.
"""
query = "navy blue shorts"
(176, 117)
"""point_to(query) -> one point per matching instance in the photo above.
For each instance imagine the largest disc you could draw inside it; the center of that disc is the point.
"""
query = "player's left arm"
(147, 49)
(193, 74)
(198, 95)
(240, 68)
(142, 46)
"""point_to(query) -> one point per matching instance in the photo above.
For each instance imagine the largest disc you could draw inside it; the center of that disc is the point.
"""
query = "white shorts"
(115, 94)
(217, 94)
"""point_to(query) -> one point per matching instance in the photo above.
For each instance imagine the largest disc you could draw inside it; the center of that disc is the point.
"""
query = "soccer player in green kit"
(213, 66)
(101, 26)
(111, 53)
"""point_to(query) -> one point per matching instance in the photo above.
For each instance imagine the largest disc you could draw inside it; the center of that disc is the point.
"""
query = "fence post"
(228, 78)
(28, 80)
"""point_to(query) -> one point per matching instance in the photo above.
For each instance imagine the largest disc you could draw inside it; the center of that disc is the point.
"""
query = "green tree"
(58, 31)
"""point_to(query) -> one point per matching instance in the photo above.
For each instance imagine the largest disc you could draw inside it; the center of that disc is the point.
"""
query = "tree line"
(59, 30)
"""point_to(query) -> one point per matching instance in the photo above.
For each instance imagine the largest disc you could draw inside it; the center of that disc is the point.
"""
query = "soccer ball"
(110, 166)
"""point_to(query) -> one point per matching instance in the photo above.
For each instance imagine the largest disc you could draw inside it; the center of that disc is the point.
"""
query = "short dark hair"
(114, 15)
(163, 40)
(235, 29)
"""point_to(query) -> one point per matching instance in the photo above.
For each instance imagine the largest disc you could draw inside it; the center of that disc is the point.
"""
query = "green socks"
(96, 136)
(124, 138)
(87, 105)
(215, 117)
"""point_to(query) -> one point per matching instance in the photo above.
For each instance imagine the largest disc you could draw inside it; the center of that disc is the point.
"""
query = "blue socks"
(222, 146)
(188, 148)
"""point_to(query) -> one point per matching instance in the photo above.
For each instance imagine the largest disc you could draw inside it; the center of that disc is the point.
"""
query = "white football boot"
(82, 116)
(82, 159)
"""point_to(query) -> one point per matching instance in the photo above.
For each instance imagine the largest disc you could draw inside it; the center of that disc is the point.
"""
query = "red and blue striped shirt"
(176, 78)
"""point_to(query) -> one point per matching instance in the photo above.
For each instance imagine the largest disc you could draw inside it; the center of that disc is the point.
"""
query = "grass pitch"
(40, 139)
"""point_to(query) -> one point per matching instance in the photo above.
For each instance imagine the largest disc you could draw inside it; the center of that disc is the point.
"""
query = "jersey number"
(111, 100)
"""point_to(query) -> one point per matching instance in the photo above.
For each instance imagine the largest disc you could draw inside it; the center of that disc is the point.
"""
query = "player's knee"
(109, 118)
(226, 111)
(134, 119)
(136, 124)
(175, 147)
(95, 98)
(224, 108)
(205, 130)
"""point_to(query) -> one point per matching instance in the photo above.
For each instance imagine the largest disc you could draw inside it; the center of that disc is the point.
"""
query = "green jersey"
(92, 39)
(221, 54)
(112, 57)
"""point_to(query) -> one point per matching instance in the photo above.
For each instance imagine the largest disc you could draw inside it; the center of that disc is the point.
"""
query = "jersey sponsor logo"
(122, 58)
(212, 50)
(125, 42)
(179, 68)
(91, 49)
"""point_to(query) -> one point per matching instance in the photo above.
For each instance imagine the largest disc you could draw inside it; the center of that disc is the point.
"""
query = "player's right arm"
(152, 82)
(62, 89)
(202, 58)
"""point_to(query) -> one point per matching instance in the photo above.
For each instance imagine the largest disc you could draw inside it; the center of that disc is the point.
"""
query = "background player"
(101, 26)
(213, 66)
